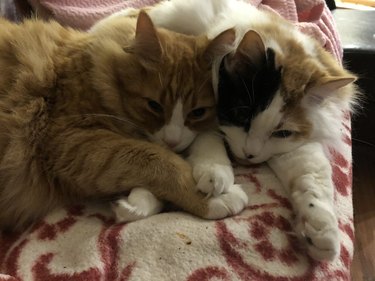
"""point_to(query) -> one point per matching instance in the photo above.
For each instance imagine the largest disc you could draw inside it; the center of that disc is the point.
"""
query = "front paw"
(213, 179)
(227, 204)
(318, 228)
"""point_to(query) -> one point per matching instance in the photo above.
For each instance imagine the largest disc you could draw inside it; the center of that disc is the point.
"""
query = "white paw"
(140, 204)
(318, 227)
(213, 179)
(227, 204)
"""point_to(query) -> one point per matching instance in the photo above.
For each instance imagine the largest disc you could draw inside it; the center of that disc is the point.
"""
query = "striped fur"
(76, 120)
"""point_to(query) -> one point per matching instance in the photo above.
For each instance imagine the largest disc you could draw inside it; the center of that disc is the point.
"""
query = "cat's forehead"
(181, 47)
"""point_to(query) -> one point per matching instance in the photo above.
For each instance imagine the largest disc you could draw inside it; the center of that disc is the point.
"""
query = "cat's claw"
(138, 205)
(213, 179)
(318, 228)
(227, 204)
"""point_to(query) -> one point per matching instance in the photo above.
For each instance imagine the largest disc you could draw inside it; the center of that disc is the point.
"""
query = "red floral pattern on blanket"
(83, 243)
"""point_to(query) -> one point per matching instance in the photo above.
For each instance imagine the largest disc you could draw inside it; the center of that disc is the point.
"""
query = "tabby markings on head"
(266, 99)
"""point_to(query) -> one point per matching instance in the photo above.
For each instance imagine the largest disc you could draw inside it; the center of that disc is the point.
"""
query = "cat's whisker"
(121, 119)
(363, 142)
(160, 80)
(219, 134)
(240, 107)
(202, 85)
(251, 96)
(252, 85)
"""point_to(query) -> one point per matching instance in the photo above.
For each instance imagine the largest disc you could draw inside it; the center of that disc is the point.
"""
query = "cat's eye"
(282, 134)
(198, 113)
(155, 106)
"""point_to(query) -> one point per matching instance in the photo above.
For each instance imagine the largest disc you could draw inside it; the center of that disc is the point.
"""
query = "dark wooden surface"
(363, 266)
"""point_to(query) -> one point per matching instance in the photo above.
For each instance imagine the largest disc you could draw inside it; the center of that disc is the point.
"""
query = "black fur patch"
(246, 90)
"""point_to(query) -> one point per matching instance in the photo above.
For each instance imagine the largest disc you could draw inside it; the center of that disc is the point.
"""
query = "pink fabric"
(83, 14)
(311, 16)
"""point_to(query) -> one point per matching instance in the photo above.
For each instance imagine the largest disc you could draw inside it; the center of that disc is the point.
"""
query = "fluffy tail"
(191, 17)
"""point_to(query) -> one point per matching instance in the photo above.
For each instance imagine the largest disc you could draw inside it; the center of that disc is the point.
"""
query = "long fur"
(77, 122)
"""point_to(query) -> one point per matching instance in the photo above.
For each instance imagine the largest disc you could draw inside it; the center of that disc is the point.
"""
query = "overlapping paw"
(138, 205)
(230, 203)
(213, 179)
(318, 228)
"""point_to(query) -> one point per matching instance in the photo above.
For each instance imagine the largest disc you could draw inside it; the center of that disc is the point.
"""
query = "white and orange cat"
(91, 116)
(281, 99)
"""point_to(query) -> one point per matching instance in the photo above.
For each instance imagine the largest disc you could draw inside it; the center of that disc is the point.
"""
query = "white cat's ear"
(220, 45)
(147, 43)
(250, 51)
(327, 88)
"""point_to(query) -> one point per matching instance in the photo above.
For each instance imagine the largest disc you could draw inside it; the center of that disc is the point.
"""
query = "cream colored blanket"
(83, 243)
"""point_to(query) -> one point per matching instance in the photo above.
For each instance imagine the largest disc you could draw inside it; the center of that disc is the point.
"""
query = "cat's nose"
(247, 154)
(171, 143)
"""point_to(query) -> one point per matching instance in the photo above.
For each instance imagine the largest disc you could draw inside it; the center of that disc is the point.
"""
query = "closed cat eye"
(282, 134)
(155, 106)
(197, 113)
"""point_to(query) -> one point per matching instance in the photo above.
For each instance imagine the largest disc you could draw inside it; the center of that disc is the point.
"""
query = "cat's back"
(27, 54)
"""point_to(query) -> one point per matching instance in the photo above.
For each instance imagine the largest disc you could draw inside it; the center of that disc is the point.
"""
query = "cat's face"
(266, 102)
(172, 104)
(167, 87)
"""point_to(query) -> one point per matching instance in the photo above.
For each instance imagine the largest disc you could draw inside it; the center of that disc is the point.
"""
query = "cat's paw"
(140, 204)
(318, 228)
(213, 179)
(227, 204)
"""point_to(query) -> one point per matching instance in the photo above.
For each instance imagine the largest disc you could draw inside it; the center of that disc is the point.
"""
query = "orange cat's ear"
(146, 43)
(219, 46)
(250, 51)
(327, 88)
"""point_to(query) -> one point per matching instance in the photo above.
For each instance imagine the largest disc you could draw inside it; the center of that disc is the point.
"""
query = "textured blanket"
(84, 243)
(312, 16)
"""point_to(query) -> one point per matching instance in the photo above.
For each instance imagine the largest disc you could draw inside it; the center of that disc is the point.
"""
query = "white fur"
(226, 204)
(306, 173)
(211, 167)
(303, 168)
(294, 158)
(175, 134)
(258, 142)
(140, 204)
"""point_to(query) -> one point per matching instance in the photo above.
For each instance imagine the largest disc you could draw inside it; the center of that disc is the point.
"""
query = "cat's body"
(281, 100)
(79, 114)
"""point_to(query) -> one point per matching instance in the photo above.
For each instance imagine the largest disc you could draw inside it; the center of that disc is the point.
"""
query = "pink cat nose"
(171, 143)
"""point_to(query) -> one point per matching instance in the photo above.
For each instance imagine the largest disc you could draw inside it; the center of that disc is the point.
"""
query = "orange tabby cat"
(78, 112)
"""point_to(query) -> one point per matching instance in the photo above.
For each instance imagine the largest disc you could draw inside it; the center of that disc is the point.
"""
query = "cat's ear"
(327, 88)
(250, 51)
(219, 46)
(146, 44)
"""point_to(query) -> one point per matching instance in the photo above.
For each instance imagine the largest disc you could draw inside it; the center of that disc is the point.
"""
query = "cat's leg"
(94, 163)
(212, 168)
(140, 204)
(307, 174)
